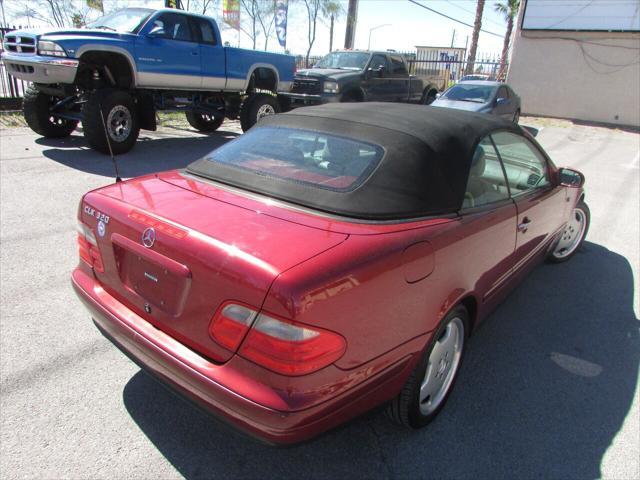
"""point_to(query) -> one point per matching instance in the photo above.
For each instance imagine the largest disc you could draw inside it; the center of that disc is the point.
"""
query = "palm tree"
(477, 25)
(509, 9)
(334, 10)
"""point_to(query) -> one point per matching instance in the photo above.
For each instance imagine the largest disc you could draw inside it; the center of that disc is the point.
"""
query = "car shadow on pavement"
(546, 384)
(150, 155)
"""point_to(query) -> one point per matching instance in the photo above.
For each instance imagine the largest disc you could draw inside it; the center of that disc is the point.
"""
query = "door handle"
(524, 226)
(194, 53)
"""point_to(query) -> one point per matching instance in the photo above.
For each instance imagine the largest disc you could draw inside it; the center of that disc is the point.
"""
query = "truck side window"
(398, 65)
(205, 30)
(378, 61)
(174, 27)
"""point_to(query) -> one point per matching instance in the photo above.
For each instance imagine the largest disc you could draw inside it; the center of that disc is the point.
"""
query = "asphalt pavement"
(549, 387)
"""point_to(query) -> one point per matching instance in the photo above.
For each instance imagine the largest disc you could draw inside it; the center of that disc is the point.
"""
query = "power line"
(455, 19)
(450, 2)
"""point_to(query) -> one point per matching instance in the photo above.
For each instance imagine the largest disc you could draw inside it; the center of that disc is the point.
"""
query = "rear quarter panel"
(361, 289)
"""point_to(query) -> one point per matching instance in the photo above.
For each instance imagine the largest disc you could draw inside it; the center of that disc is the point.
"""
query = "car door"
(488, 223)
(503, 104)
(540, 202)
(168, 54)
(399, 79)
(377, 84)
(214, 75)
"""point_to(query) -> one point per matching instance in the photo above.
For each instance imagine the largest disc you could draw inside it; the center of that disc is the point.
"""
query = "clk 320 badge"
(94, 213)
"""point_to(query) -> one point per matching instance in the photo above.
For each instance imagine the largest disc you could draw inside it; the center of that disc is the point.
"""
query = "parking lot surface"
(549, 387)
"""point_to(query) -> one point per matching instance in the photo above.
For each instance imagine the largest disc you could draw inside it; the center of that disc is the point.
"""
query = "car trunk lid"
(205, 251)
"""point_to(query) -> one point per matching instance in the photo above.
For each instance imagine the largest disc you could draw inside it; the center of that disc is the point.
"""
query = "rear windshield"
(469, 92)
(300, 156)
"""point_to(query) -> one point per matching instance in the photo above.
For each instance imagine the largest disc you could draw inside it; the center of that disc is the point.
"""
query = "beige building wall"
(593, 76)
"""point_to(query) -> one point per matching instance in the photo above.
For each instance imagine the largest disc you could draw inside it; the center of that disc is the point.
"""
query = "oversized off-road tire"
(120, 119)
(573, 234)
(428, 387)
(256, 106)
(204, 122)
(36, 108)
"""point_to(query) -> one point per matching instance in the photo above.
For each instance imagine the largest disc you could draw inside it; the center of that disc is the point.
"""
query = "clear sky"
(408, 24)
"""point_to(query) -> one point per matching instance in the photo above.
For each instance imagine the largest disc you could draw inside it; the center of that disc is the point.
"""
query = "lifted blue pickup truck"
(114, 75)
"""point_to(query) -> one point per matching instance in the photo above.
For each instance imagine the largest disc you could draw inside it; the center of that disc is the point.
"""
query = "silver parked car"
(495, 98)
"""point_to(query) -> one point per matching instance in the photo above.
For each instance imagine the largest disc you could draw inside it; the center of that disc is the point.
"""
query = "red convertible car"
(330, 260)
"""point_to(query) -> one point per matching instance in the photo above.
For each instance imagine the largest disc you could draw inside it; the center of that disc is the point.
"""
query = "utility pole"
(453, 37)
(352, 19)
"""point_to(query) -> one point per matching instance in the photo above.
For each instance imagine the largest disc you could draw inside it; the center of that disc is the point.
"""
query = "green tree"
(477, 25)
(509, 9)
(317, 10)
(334, 10)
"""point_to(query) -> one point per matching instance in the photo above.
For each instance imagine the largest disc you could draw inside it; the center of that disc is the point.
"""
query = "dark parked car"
(360, 76)
(480, 96)
(330, 260)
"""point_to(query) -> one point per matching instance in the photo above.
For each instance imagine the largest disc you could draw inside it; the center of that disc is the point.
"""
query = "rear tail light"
(88, 247)
(291, 349)
(230, 324)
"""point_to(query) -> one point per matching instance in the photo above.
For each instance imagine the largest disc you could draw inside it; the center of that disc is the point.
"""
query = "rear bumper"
(39, 69)
(215, 387)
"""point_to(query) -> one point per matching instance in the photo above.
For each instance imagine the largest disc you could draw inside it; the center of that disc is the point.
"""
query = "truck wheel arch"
(263, 76)
(353, 93)
(429, 94)
(121, 58)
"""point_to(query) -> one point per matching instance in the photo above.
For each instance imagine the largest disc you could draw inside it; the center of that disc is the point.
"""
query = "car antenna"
(106, 135)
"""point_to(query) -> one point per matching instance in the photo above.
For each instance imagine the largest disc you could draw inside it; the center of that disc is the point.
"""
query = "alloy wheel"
(443, 364)
(119, 123)
(571, 235)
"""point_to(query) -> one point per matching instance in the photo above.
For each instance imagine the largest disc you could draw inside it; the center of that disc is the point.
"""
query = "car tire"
(572, 238)
(204, 122)
(428, 97)
(121, 121)
(516, 117)
(415, 406)
(36, 108)
(256, 106)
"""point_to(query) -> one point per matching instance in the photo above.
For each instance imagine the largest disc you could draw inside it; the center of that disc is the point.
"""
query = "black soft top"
(423, 172)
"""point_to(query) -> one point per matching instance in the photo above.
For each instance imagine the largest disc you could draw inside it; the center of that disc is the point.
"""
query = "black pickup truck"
(359, 76)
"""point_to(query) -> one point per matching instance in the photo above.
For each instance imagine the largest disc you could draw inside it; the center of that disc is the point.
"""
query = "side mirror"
(376, 70)
(571, 178)
(156, 32)
(438, 95)
(502, 101)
